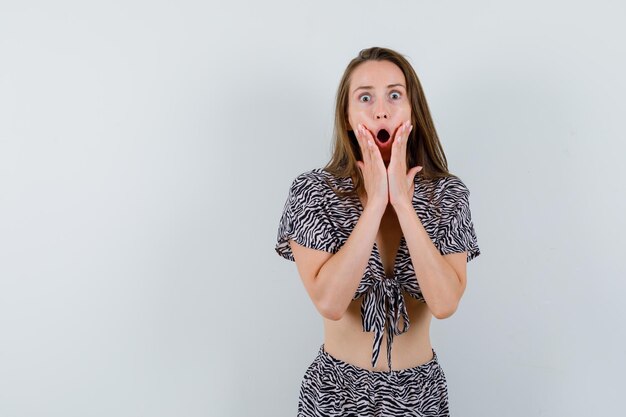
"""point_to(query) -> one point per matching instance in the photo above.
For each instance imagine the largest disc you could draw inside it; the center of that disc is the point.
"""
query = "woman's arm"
(331, 280)
(442, 278)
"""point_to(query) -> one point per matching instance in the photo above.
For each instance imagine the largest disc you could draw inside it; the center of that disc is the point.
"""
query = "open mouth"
(383, 136)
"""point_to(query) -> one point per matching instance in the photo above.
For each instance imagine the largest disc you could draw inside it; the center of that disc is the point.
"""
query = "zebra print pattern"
(332, 387)
(315, 217)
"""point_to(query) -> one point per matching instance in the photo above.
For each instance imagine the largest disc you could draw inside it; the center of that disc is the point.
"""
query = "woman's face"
(378, 100)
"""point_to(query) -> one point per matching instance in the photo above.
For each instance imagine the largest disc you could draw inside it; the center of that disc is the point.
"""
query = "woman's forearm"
(438, 281)
(339, 278)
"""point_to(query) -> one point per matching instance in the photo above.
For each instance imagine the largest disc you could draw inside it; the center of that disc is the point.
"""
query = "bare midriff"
(345, 339)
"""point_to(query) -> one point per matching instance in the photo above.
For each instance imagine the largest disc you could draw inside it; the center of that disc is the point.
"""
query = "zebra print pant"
(332, 387)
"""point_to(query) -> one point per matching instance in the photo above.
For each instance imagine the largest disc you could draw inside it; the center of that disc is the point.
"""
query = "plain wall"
(146, 151)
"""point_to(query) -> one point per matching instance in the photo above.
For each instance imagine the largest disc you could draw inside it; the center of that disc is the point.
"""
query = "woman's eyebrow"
(369, 87)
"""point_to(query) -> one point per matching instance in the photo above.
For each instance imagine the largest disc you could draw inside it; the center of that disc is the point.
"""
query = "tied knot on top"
(382, 308)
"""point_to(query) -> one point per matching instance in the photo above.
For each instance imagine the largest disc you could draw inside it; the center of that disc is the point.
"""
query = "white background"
(146, 150)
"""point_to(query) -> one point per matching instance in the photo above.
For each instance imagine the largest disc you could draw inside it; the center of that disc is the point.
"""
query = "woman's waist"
(354, 346)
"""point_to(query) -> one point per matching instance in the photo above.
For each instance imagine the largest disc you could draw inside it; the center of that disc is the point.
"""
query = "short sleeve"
(305, 219)
(456, 229)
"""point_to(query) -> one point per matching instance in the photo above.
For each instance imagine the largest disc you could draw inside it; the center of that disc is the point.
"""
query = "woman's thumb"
(413, 172)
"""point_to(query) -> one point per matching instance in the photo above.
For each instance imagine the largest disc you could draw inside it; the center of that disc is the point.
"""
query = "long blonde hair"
(423, 146)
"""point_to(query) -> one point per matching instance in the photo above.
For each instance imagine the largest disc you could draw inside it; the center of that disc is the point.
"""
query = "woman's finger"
(377, 157)
(397, 140)
(373, 148)
(362, 146)
(366, 143)
(408, 132)
(357, 135)
(410, 178)
(398, 151)
(403, 134)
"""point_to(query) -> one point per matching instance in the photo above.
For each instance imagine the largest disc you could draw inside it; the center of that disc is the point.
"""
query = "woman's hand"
(401, 183)
(373, 169)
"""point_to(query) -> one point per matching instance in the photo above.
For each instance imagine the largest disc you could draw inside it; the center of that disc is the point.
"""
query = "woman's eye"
(395, 95)
(365, 98)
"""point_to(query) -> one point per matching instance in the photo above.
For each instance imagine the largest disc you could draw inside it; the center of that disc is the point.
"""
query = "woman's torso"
(345, 339)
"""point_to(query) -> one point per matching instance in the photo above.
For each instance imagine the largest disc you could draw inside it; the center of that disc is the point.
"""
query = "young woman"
(381, 237)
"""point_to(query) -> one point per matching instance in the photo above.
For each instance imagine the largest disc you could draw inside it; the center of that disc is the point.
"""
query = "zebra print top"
(315, 217)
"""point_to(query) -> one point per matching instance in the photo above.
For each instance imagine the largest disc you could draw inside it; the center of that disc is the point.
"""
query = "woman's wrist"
(378, 208)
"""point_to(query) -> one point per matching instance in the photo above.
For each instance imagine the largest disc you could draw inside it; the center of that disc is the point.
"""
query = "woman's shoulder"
(322, 179)
(442, 185)
(442, 191)
(314, 174)
(454, 184)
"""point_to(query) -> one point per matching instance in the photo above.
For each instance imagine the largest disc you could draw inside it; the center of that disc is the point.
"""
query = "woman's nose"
(381, 112)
